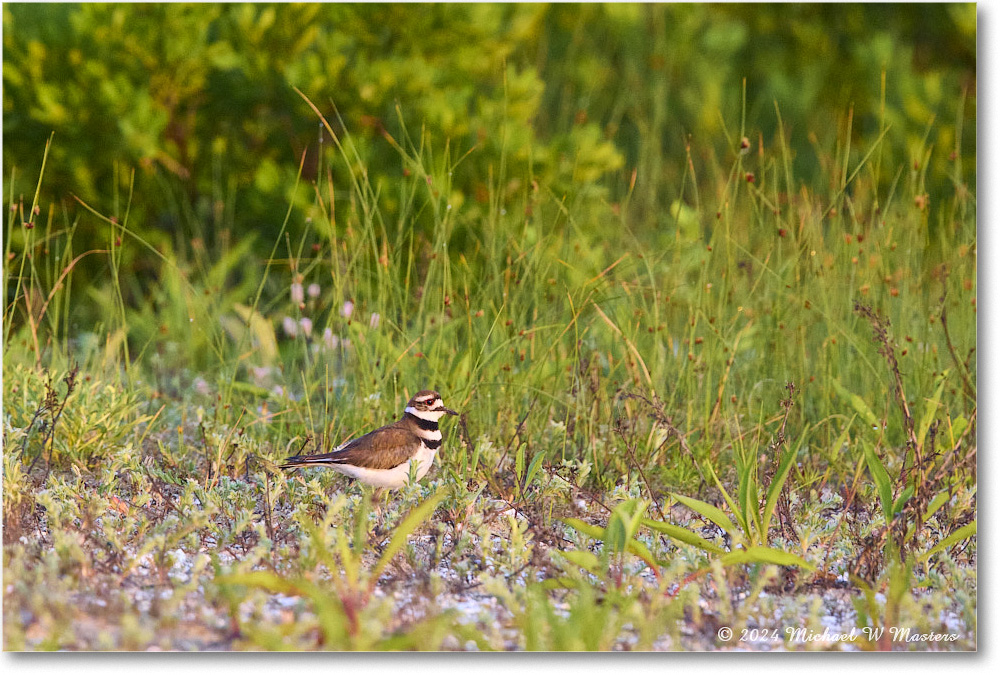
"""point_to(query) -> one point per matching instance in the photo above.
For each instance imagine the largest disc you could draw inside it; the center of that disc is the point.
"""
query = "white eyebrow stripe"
(428, 415)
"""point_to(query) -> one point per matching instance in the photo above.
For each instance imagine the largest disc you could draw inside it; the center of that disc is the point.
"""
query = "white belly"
(390, 478)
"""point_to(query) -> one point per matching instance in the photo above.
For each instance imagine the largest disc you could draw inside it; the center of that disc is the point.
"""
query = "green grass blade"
(682, 535)
(592, 531)
(845, 436)
(930, 409)
(402, 531)
(584, 559)
(706, 510)
(882, 481)
(774, 490)
(641, 551)
(616, 538)
(901, 500)
(615, 534)
(329, 611)
(729, 499)
(767, 555)
(935, 504)
(958, 535)
(536, 463)
(856, 402)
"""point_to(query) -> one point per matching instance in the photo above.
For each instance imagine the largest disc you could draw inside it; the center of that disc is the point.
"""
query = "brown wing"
(384, 448)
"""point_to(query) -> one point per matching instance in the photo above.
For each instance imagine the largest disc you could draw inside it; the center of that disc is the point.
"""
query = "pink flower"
(297, 294)
(201, 386)
(313, 290)
(289, 326)
(347, 309)
(307, 325)
(329, 339)
(374, 321)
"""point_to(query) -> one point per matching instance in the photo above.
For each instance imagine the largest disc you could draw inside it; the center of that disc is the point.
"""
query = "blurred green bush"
(199, 99)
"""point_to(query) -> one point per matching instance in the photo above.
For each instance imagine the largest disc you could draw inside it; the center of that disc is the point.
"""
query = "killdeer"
(382, 458)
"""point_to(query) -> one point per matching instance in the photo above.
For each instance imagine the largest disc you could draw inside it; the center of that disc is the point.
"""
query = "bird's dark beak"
(449, 411)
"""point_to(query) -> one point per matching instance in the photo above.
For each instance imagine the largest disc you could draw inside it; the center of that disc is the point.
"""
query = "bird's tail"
(307, 460)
